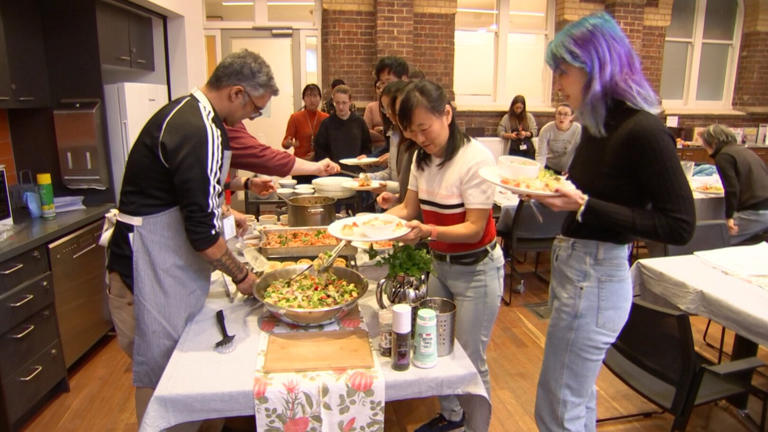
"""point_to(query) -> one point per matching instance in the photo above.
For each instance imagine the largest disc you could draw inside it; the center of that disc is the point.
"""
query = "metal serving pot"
(314, 210)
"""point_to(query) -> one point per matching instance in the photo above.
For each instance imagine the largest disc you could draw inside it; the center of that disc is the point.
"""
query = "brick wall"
(395, 30)
(434, 46)
(349, 51)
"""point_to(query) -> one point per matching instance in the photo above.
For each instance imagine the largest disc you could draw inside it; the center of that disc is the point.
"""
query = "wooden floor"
(101, 395)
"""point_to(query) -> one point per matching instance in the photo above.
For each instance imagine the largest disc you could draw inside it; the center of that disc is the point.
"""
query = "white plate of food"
(359, 184)
(369, 228)
(361, 161)
(709, 189)
(543, 185)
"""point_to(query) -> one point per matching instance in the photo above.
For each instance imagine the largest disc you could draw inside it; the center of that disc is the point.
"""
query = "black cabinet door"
(142, 49)
(114, 35)
(5, 76)
(24, 55)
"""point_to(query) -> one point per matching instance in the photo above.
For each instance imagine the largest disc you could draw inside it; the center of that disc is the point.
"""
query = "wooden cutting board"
(308, 351)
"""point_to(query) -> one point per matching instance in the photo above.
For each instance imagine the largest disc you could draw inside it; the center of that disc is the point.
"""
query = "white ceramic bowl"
(304, 191)
(268, 219)
(287, 183)
(518, 167)
(285, 192)
(377, 225)
(304, 186)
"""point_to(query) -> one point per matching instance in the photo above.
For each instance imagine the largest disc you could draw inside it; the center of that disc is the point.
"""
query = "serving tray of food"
(287, 242)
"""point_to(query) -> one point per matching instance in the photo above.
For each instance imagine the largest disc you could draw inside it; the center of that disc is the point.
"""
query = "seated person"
(344, 134)
(558, 140)
(745, 180)
(518, 127)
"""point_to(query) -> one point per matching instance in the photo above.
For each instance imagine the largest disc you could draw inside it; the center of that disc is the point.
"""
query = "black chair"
(655, 356)
(528, 233)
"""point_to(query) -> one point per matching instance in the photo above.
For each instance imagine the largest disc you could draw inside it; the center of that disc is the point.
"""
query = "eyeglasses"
(257, 110)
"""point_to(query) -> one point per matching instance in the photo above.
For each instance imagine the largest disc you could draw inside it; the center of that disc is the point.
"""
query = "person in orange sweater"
(303, 124)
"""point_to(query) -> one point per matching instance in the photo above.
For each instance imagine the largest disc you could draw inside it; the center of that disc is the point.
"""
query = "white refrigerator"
(129, 105)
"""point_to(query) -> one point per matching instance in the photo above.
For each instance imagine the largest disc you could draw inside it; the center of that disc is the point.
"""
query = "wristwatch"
(247, 183)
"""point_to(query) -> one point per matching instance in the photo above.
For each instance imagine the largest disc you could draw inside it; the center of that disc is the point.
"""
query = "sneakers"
(441, 424)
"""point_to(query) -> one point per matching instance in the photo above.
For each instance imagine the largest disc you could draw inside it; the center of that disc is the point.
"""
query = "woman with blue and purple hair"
(628, 184)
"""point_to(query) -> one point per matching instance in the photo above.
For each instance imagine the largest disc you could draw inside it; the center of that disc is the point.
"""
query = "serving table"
(199, 383)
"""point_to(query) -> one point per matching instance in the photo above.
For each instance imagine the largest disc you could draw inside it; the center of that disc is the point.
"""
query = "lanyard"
(312, 125)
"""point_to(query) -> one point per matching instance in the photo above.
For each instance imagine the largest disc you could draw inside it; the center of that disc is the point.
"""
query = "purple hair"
(596, 44)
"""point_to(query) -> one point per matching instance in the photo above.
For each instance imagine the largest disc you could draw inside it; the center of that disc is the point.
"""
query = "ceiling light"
(290, 3)
(237, 3)
(526, 13)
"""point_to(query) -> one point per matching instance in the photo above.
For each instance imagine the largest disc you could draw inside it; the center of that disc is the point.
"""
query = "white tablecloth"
(695, 286)
(199, 383)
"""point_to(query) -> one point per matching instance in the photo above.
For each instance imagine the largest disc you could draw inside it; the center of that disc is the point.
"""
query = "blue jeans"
(476, 290)
(591, 294)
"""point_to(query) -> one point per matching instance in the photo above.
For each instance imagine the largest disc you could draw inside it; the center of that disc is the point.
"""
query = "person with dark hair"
(456, 206)
(628, 184)
(344, 134)
(373, 119)
(401, 149)
(328, 106)
(416, 74)
(391, 68)
(304, 124)
(169, 234)
(518, 127)
(745, 181)
(558, 140)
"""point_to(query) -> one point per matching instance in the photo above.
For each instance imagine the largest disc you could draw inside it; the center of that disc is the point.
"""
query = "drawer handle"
(84, 250)
(11, 270)
(27, 298)
(141, 61)
(38, 368)
(26, 98)
(126, 58)
(24, 333)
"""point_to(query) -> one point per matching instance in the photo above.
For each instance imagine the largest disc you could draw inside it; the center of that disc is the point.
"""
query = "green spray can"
(45, 189)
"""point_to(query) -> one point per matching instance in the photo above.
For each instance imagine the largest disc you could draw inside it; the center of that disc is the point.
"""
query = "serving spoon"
(326, 262)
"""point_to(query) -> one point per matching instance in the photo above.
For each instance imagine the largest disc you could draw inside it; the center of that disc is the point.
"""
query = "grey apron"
(170, 285)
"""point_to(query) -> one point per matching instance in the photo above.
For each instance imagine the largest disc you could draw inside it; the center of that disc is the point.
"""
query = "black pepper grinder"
(401, 337)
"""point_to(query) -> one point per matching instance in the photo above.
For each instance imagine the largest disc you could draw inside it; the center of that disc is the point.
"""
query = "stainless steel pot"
(315, 210)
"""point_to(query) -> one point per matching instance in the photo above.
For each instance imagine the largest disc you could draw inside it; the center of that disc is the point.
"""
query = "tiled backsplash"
(6, 150)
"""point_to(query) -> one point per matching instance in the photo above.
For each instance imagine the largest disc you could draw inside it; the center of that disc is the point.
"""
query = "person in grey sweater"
(745, 180)
(558, 140)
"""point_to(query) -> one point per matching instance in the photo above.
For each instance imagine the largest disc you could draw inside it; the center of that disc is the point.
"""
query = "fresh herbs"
(404, 259)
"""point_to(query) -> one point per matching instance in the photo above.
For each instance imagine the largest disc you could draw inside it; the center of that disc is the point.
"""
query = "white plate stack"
(332, 186)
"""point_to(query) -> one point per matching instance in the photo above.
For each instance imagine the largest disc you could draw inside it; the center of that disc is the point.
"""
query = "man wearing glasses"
(170, 233)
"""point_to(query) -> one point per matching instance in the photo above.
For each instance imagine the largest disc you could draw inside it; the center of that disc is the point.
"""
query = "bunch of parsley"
(404, 259)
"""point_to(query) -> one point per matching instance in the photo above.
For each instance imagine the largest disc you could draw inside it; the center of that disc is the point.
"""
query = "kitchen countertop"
(32, 232)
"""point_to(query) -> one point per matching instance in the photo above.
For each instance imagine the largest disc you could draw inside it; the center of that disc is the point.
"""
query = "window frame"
(499, 98)
(693, 62)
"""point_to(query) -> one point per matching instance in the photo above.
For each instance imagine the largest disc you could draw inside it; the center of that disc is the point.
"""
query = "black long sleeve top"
(176, 161)
(634, 180)
(744, 177)
(338, 139)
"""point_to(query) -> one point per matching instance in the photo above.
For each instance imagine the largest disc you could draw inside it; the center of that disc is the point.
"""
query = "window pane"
(476, 15)
(311, 59)
(290, 11)
(682, 19)
(215, 11)
(712, 69)
(527, 15)
(525, 66)
(673, 70)
(720, 19)
(473, 63)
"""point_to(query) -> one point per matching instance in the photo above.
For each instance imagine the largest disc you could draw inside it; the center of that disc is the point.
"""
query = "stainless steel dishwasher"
(78, 268)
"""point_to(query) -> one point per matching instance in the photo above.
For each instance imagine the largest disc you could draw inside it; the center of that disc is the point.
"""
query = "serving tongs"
(326, 263)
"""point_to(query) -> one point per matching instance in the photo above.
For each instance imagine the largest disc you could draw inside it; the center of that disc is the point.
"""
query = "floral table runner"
(343, 400)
